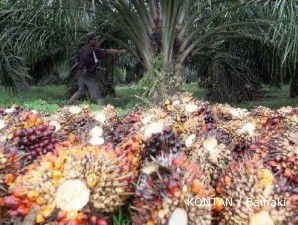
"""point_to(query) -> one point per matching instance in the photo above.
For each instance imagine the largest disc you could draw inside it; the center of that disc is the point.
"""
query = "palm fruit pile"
(158, 157)
(76, 186)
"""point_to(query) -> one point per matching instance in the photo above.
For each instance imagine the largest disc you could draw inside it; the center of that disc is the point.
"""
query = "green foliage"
(34, 30)
(122, 217)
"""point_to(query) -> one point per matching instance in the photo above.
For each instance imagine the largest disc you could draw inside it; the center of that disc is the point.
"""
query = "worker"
(90, 58)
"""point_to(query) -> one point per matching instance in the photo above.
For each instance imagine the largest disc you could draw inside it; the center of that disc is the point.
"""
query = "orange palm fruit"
(72, 138)
(46, 212)
(39, 218)
(9, 178)
(218, 204)
(19, 192)
(23, 211)
(227, 181)
(32, 195)
(57, 175)
(196, 186)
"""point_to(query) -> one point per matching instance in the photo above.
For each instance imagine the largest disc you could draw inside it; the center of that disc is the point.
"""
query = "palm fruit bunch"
(227, 113)
(74, 124)
(164, 187)
(184, 114)
(283, 155)
(75, 186)
(290, 117)
(256, 196)
(31, 137)
(160, 139)
(212, 156)
(242, 133)
(9, 119)
(10, 167)
(120, 129)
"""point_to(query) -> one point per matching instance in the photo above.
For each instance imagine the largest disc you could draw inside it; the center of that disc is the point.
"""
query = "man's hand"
(122, 51)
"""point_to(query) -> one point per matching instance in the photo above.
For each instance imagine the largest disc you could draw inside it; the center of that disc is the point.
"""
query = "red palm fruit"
(102, 222)
(73, 222)
(22, 211)
(13, 213)
(11, 202)
(93, 220)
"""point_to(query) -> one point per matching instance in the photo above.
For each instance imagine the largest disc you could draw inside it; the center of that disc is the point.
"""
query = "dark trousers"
(87, 82)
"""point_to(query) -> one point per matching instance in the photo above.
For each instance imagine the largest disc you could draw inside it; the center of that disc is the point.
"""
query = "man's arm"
(115, 51)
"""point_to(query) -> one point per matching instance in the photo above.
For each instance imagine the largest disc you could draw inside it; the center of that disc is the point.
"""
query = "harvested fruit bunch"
(255, 194)
(227, 113)
(72, 120)
(185, 115)
(32, 139)
(162, 192)
(10, 167)
(122, 128)
(49, 190)
(165, 142)
(75, 124)
(212, 157)
(283, 155)
(11, 119)
(242, 133)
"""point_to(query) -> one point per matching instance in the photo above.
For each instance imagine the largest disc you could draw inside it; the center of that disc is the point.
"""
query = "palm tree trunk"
(294, 86)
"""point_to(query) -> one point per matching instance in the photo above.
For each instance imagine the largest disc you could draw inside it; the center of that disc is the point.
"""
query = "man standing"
(89, 59)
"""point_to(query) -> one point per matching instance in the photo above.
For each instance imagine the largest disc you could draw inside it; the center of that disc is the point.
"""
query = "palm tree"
(162, 34)
(177, 30)
(35, 30)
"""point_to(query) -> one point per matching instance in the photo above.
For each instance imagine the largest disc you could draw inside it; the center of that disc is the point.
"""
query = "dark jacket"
(87, 59)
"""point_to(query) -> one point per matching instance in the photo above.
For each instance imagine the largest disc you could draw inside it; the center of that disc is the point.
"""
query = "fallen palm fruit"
(257, 196)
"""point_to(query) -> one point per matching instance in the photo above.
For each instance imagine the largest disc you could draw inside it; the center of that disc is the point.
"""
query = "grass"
(274, 98)
(52, 98)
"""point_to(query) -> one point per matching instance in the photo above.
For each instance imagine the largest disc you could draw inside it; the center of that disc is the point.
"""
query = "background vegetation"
(231, 48)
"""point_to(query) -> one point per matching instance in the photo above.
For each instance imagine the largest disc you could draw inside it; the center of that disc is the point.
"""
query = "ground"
(52, 98)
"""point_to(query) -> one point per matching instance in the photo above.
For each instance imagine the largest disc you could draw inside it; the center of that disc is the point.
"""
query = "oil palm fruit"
(283, 155)
(164, 187)
(10, 166)
(76, 186)
(212, 157)
(32, 138)
(256, 196)
(164, 142)
(73, 120)
(120, 129)
(227, 113)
